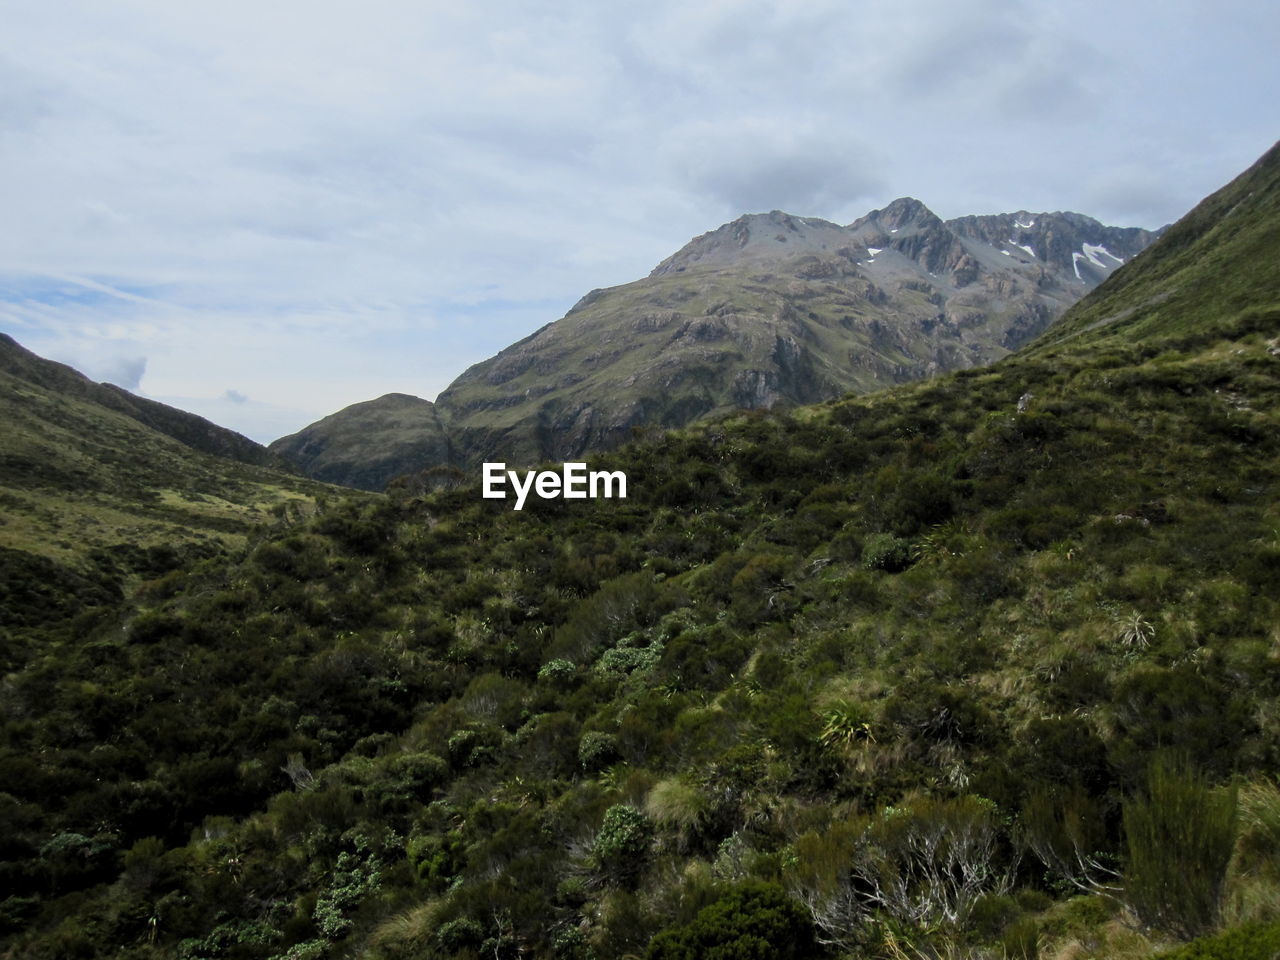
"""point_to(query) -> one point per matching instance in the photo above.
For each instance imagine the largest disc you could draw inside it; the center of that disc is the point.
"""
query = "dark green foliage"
(1060, 752)
(1253, 942)
(619, 607)
(1182, 828)
(623, 840)
(753, 921)
(928, 713)
(704, 657)
(1182, 709)
(883, 551)
(35, 590)
(459, 934)
(597, 750)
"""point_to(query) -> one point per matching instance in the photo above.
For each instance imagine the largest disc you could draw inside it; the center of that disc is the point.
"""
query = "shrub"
(616, 609)
(623, 840)
(153, 627)
(596, 750)
(459, 934)
(926, 713)
(1065, 827)
(626, 659)
(932, 860)
(884, 551)
(704, 657)
(558, 671)
(1254, 942)
(928, 862)
(1180, 835)
(1061, 751)
(410, 776)
(753, 921)
(1180, 708)
(493, 698)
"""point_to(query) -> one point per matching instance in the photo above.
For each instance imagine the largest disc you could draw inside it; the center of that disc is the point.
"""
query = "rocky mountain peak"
(903, 212)
(759, 237)
(1076, 245)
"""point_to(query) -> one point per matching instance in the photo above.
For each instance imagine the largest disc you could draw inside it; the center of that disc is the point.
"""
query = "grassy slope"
(95, 492)
(1023, 579)
(1216, 265)
(366, 445)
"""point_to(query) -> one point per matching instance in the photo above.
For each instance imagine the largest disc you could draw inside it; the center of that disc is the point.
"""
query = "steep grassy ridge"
(1216, 266)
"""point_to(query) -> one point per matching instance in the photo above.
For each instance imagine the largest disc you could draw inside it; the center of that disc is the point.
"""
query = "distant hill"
(769, 310)
(368, 444)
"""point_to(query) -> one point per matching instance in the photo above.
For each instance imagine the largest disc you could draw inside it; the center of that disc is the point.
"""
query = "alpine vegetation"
(981, 666)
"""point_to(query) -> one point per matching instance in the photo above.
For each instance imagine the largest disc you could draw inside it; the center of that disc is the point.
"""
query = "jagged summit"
(1075, 248)
(903, 212)
(1068, 242)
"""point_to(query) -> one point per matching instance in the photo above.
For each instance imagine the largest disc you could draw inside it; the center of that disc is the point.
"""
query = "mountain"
(978, 666)
(99, 487)
(366, 445)
(768, 310)
(187, 428)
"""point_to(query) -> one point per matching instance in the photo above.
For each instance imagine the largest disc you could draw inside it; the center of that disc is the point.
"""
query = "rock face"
(368, 444)
(771, 309)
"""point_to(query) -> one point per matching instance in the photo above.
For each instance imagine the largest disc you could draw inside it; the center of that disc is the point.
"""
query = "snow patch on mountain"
(1091, 251)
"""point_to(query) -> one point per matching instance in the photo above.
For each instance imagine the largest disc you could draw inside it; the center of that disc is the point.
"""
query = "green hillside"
(18, 363)
(1217, 266)
(983, 667)
(367, 445)
(99, 488)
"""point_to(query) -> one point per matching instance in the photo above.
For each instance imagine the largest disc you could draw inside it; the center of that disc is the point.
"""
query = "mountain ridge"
(187, 428)
(764, 310)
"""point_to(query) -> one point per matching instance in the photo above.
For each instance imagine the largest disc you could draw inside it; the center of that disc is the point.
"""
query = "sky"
(263, 212)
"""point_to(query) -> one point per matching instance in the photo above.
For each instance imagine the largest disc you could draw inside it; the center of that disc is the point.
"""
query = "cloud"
(125, 372)
(235, 396)
(97, 365)
(755, 164)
